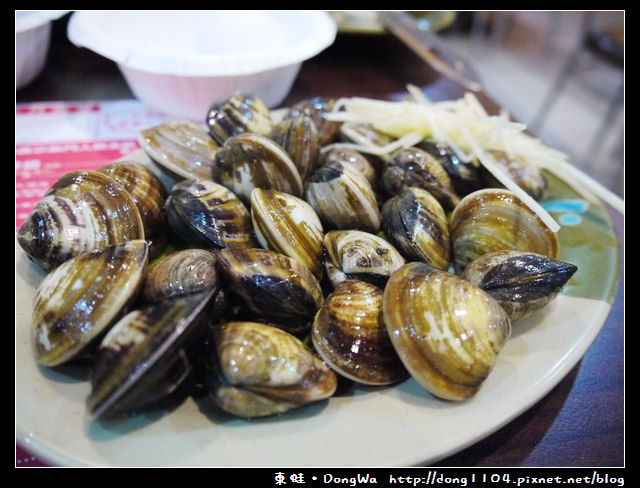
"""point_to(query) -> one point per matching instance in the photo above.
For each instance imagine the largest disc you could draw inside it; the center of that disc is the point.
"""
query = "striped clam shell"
(416, 224)
(82, 212)
(238, 114)
(147, 355)
(149, 195)
(288, 224)
(299, 137)
(447, 332)
(349, 333)
(181, 148)
(364, 164)
(343, 197)
(249, 161)
(258, 370)
(495, 219)
(317, 108)
(414, 167)
(180, 273)
(274, 287)
(83, 297)
(207, 213)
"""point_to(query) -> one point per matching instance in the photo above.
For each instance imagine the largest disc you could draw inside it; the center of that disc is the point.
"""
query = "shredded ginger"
(466, 127)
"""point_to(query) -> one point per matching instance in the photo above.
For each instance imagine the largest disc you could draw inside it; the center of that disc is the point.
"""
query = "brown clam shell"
(180, 273)
(207, 213)
(350, 335)
(495, 219)
(182, 149)
(249, 161)
(274, 287)
(288, 224)
(148, 354)
(343, 197)
(417, 225)
(447, 331)
(149, 195)
(258, 370)
(82, 212)
(83, 297)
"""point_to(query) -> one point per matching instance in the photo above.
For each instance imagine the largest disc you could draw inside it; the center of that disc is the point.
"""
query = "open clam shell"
(359, 255)
(495, 219)
(349, 333)
(83, 297)
(147, 354)
(82, 212)
(522, 282)
(447, 331)
(288, 224)
(257, 370)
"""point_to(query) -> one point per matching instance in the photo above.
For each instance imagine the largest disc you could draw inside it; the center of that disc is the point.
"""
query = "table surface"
(580, 423)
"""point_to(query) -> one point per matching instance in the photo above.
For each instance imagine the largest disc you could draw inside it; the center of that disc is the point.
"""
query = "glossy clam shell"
(317, 108)
(82, 212)
(149, 195)
(299, 137)
(260, 370)
(354, 254)
(465, 176)
(353, 158)
(274, 287)
(414, 167)
(522, 282)
(447, 332)
(495, 219)
(343, 198)
(76, 302)
(181, 148)
(288, 224)
(417, 225)
(238, 114)
(207, 213)
(249, 161)
(180, 273)
(349, 333)
(147, 355)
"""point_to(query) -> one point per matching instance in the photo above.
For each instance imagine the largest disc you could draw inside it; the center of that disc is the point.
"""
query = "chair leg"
(563, 77)
(604, 127)
(555, 91)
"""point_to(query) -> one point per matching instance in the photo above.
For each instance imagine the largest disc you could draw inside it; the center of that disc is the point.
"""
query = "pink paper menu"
(53, 138)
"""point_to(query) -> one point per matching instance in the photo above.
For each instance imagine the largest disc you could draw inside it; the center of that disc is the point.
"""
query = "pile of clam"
(280, 263)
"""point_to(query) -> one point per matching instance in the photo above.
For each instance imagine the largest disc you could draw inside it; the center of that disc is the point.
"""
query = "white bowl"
(33, 35)
(180, 62)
